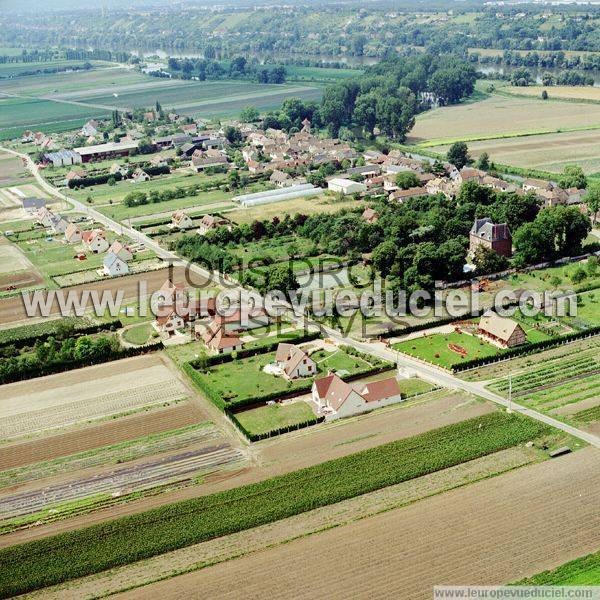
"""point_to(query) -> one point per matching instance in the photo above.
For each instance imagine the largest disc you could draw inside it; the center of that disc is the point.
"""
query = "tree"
(592, 200)
(233, 134)
(249, 114)
(483, 162)
(281, 277)
(384, 257)
(458, 155)
(572, 177)
(487, 261)
(407, 179)
(533, 244)
(544, 95)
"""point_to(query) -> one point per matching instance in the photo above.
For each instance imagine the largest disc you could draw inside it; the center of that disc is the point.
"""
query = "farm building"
(278, 195)
(294, 362)
(335, 398)
(497, 237)
(105, 151)
(402, 195)
(62, 158)
(346, 186)
(502, 331)
(114, 266)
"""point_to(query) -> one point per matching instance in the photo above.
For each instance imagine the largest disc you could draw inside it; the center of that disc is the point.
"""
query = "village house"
(120, 250)
(72, 234)
(210, 158)
(43, 216)
(370, 216)
(114, 266)
(189, 128)
(181, 220)
(158, 161)
(294, 362)
(221, 341)
(497, 237)
(537, 185)
(501, 331)
(74, 175)
(346, 186)
(33, 205)
(58, 224)
(281, 178)
(117, 169)
(469, 174)
(335, 398)
(95, 240)
(208, 223)
(402, 195)
(90, 128)
(27, 136)
(139, 176)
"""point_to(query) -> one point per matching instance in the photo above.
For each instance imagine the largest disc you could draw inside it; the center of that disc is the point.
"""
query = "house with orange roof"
(72, 234)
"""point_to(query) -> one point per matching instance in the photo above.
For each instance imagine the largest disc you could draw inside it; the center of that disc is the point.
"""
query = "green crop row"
(581, 571)
(60, 558)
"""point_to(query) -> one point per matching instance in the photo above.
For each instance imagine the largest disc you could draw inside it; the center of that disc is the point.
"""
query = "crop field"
(86, 394)
(500, 116)
(107, 545)
(568, 92)
(581, 571)
(57, 102)
(563, 385)
(10, 70)
(85, 438)
(550, 152)
(499, 546)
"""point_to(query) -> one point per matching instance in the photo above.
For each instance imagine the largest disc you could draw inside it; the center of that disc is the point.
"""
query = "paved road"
(425, 371)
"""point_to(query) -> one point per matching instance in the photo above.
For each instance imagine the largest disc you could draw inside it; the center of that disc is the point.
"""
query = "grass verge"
(581, 571)
(74, 554)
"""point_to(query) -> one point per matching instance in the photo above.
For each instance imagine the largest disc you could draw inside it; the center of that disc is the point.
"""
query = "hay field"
(551, 152)
(498, 116)
(569, 92)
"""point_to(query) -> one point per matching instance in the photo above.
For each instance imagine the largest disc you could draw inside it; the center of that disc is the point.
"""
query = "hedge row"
(84, 182)
(255, 437)
(525, 349)
(53, 560)
(61, 367)
(27, 335)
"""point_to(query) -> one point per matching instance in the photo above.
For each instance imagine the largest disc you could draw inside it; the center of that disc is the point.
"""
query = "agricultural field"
(566, 386)
(499, 116)
(558, 92)
(97, 548)
(58, 102)
(581, 571)
(87, 394)
(419, 555)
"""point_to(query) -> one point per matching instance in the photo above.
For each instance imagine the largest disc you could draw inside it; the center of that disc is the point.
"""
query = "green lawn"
(434, 348)
(139, 334)
(277, 416)
(245, 378)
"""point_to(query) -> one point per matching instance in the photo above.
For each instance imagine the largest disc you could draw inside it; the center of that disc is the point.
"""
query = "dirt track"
(492, 532)
(296, 451)
(102, 434)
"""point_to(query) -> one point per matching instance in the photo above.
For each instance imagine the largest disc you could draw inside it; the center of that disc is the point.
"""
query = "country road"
(428, 372)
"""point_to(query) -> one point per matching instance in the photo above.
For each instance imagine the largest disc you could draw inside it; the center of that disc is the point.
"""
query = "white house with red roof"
(335, 398)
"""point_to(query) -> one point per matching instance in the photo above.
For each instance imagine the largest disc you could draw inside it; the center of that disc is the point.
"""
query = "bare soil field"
(12, 259)
(487, 533)
(12, 309)
(273, 534)
(101, 434)
(85, 394)
(500, 115)
(548, 152)
(298, 450)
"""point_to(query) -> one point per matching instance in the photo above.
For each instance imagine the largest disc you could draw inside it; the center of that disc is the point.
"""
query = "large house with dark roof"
(495, 236)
